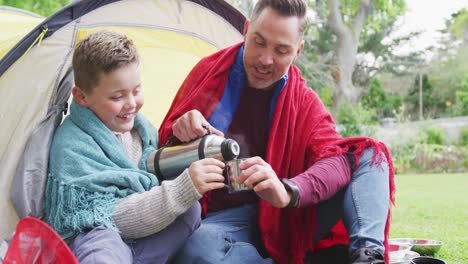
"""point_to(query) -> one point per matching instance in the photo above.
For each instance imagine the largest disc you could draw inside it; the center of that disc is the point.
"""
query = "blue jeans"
(104, 245)
(366, 203)
(230, 236)
(227, 236)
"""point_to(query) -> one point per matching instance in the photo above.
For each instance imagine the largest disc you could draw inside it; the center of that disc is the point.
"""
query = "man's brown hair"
(101, 52)
(288, 8)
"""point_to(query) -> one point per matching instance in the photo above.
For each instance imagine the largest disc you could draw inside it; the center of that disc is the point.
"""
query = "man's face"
(117, 98)
(272, 42)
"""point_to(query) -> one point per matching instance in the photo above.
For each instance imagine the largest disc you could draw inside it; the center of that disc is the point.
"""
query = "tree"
(347, 23)
(41, 7)
(449, 66)
(433, 105)
(459, 26)
(328, 61)
(244, 6)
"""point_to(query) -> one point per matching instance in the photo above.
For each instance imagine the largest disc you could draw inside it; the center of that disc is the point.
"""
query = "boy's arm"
(143, 214)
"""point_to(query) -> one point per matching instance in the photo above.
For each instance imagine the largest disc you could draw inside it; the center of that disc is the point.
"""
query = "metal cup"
(232, 174)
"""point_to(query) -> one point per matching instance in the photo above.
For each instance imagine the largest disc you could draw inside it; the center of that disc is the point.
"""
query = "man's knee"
(205, 233)
(372, 162)
(202, 246)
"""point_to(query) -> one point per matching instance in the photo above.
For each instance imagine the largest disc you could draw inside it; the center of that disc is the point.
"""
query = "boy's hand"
(207, 174)
(192, 125)
(258, 174)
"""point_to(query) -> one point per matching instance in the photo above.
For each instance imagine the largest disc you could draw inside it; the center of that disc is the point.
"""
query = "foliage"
(244, 6)
(326, 95)
(460, 108)
(449, 66)
(378, 99)
(376, 51)
(41, 7)
(428, 153)
(356, 120)
(429, 158)
(460, 23)
(463, 140)
(433, 103)
(435, 135)
(433, 206)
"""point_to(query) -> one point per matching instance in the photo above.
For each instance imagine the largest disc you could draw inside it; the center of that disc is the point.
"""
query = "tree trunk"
(347, 42)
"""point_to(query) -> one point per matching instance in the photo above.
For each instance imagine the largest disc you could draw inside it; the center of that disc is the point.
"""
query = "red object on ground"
(36, 242)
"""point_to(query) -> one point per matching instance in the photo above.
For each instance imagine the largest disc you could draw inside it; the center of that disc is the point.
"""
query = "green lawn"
(433, 206)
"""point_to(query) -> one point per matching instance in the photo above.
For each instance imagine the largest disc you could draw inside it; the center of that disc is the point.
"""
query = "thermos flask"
(169, 162)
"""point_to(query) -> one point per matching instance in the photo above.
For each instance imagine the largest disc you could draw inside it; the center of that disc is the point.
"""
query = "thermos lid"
(230, 149)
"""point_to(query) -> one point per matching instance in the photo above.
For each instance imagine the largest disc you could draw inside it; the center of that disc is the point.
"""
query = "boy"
(99, 192)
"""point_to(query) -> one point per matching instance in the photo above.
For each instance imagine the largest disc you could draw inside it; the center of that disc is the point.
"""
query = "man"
(304, 176)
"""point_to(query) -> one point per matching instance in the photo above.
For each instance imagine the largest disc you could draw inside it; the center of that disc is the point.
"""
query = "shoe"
(366, 256)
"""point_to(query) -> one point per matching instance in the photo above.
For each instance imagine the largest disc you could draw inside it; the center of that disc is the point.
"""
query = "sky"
(428, 15)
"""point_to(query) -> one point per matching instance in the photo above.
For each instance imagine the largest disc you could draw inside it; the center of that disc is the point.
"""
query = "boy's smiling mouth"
(126, 116)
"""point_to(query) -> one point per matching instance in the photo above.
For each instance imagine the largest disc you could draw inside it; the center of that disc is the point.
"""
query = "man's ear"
(299, 50)
(79, 96)
(246, 27)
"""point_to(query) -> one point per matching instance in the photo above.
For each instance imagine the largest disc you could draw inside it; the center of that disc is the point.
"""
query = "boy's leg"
(227, 236)
(162, 246)
(366, 204)
(101, 245)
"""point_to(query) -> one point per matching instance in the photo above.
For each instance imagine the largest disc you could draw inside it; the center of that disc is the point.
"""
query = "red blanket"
(301, 132)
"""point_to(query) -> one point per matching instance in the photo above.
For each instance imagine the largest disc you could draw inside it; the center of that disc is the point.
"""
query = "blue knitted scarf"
(89, 171)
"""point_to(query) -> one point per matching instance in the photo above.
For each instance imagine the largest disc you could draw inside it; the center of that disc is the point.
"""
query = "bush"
(429, 158)
(377, 99)
(463, 140)
(435, 135)
(356, 120)
(461, 103)
(428, 153)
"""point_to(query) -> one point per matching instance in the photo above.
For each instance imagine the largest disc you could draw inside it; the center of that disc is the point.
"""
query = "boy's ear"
(79, 96)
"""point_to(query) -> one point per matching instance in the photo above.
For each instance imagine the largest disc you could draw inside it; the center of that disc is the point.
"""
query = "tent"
(36, 79)
(14, 25)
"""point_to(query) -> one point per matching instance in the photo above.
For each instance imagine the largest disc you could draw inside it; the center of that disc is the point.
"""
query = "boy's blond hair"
(101, 52)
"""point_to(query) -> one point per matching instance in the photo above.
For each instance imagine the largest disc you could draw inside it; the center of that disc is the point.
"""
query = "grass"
(433, 206)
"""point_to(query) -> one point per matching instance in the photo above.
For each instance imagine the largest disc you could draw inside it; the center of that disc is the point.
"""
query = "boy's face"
(116, 99)
(272, 42)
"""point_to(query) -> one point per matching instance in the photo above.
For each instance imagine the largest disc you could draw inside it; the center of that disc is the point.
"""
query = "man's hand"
(207, 174)
(192, 125)
(258, 174)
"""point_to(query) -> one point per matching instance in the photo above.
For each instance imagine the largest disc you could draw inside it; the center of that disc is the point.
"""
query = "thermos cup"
(169, 162)
(232, 173)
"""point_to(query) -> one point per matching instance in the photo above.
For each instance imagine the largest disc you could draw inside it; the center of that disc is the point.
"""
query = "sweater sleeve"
(323, 180)
(143, 214)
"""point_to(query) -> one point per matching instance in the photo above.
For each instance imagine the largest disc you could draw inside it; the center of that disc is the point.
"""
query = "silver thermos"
(169, 162)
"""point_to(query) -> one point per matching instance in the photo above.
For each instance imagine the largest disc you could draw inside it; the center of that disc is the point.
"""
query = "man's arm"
(323, 180)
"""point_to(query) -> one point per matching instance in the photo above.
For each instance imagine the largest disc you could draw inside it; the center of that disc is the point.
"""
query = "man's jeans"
(366, 204)
(230, 236)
